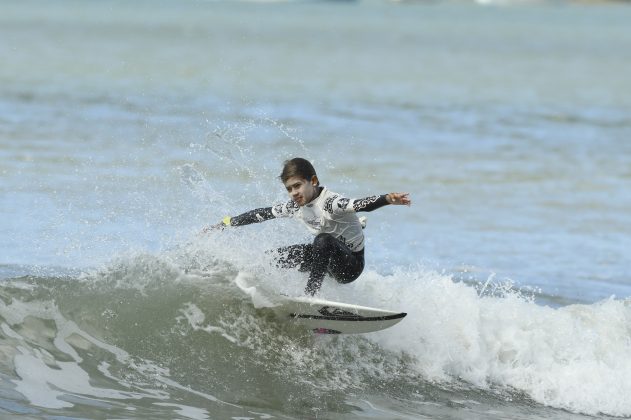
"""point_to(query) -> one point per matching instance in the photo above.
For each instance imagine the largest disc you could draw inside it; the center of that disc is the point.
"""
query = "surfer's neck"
(317, 194)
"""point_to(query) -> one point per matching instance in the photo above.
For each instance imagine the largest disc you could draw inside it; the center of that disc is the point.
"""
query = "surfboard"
(328, 317)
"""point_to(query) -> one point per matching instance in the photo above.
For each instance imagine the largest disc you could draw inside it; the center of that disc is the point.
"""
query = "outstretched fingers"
(211, 228)
(399, 198)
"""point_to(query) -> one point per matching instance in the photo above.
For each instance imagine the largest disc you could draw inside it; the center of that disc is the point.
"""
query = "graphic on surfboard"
(327, 317)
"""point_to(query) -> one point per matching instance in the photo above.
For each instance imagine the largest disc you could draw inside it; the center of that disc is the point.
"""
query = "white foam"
(259, 298)
(576, 357)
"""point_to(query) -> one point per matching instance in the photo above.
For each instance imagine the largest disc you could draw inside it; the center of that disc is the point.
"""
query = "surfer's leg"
(346, 266)
(332, 255)
(295, 255)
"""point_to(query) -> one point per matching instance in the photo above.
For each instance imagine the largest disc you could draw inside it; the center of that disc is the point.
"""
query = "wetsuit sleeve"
(346, 205)
(370, 203)
(252, 216)
(265, 213)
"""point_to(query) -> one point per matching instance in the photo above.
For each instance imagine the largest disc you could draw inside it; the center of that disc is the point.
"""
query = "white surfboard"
(327, 317)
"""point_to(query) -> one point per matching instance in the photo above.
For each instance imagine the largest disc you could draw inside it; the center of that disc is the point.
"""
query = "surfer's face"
(301, 190)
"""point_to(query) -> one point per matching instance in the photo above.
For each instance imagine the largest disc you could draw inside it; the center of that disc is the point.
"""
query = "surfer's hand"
(399, 198)
(218, 226)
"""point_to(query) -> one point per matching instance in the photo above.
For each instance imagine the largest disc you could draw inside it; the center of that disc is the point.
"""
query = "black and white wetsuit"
(338, 247)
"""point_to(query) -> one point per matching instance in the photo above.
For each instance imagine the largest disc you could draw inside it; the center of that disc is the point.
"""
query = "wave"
(174, 332)
(143, 332)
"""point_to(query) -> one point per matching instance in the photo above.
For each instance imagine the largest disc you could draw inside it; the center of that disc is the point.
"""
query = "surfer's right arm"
(247, 218)
(257, 216)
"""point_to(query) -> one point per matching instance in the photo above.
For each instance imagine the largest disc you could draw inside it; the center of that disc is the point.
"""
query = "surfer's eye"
(293, 187)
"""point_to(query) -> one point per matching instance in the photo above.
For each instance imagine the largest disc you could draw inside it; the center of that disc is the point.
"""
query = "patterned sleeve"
(285, 209)
(338, 204)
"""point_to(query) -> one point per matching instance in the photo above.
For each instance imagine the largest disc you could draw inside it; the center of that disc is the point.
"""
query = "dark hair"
(297, 167)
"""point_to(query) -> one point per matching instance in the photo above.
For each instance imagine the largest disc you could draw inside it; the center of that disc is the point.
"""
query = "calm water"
(126, 126)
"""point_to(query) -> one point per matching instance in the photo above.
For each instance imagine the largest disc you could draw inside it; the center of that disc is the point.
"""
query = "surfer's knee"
(323, 241)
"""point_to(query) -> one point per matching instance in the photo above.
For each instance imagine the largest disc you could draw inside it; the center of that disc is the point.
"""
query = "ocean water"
(128, 126)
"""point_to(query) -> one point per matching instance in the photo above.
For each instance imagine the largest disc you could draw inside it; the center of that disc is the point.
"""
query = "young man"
(338, 247)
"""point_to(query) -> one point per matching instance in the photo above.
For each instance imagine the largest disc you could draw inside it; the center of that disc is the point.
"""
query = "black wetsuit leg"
(326, 255)
(333, 256)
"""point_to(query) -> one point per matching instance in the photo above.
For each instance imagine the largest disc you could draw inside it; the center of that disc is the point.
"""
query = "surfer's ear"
(314, 181)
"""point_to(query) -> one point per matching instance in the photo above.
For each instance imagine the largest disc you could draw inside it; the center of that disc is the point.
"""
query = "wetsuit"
(338, 247)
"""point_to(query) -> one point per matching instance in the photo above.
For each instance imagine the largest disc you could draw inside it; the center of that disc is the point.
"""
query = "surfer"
(338, 247)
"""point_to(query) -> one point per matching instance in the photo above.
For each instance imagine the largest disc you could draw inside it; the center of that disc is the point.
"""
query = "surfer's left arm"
(372, 203)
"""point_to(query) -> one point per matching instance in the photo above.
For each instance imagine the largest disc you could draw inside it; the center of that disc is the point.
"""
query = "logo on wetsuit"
(314, 223)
